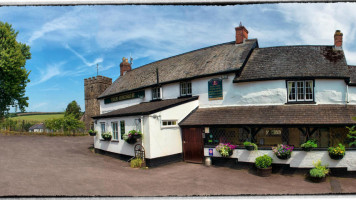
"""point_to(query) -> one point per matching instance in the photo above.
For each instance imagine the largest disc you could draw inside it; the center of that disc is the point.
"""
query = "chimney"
(125, 66)
(338, 39)
(241, 34)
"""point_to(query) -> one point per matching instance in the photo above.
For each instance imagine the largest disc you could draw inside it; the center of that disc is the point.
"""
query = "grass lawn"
(38, 118)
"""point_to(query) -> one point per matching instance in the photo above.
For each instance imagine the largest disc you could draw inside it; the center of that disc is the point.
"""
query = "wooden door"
(193, 150)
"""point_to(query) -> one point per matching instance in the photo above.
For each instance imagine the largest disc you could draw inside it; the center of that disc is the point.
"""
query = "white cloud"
(49, 72)
(85, 61)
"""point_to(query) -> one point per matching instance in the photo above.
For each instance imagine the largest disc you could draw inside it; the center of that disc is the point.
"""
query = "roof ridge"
(231, 42)
(303, 45)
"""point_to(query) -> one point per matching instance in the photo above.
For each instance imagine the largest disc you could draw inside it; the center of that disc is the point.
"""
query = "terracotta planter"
(250, 148)
(284, 157)
(264, 172)
(336, 157)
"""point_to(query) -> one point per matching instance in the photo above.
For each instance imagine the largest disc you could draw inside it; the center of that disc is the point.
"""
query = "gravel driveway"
(51, 166)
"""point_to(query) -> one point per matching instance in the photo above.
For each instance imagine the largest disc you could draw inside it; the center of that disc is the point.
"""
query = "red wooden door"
(193, 150)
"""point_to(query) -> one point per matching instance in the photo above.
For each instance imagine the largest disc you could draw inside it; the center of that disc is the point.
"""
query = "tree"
(13, 74)
(73, 109)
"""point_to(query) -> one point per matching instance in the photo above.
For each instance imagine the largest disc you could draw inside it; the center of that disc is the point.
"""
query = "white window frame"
(298, 90)
(156, 90)
(102, 127)
(169, 123)
(185, 88)
(115, 132)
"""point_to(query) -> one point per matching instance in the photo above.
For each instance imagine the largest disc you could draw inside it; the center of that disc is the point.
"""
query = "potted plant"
(318, 173)
(225, 149)
(132, 136)
(92, 132)
(264, 165)
(337, 153)
(106, 136)
(309, 145)
(283, 151)
(250, 146)
(136, 163)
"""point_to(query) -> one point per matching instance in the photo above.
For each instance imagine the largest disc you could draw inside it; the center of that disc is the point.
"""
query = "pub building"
(232, 92)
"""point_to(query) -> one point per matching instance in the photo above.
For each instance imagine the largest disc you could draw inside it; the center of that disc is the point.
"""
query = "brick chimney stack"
(125, 66)
(338, 39)
(241, 34)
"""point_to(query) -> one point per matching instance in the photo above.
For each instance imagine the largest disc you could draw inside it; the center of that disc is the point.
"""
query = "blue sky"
(68, 41)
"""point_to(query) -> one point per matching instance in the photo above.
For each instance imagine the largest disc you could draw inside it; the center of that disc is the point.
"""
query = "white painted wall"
(272, 92)
(299, 159)
(119, 146)
(166, 141)
(330, 91)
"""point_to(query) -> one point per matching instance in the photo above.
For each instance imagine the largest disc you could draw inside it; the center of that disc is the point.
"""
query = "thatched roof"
(222, 58)
(294, 62)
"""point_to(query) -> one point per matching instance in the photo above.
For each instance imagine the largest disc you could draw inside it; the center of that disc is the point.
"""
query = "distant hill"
(38, 116)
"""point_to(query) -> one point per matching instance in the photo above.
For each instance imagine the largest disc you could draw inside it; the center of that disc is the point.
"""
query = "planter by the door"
(284, 157)
(264, 172)
(250, 148)
(336, 157)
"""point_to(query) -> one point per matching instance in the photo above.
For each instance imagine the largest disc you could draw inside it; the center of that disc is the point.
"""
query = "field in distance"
(38, 117)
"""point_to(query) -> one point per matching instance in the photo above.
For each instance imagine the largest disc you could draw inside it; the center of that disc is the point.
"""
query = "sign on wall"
(215, 91)
(132, 95)
(211, 152)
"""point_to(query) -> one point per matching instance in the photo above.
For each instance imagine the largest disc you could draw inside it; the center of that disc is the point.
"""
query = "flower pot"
(136, 136)
(131, 140)
(250, 148)
(107, 138)
(264, 172)
(316, 179)
(230, 154)
(92, 133)
(336, 157)
(307, 148)
(284, 157)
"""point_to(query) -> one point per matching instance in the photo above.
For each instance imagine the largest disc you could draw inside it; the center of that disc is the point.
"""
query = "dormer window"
(300, 91)
(185, 88)
(156, 93)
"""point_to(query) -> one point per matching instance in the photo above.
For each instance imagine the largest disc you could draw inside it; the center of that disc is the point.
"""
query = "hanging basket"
(336, 157)
(284, 157)
(131, 140)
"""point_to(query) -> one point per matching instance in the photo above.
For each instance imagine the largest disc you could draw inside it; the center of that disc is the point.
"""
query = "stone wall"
(93, 87)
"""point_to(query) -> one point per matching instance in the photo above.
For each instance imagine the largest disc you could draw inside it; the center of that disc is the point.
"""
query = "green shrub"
(136, 163)
(320, 171)
(255, 147)
(264, 161)
(309, 144)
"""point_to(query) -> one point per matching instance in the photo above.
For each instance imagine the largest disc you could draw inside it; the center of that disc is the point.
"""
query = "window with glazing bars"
(156, 93)
(115, 131)
(185, 88)
(300, 90)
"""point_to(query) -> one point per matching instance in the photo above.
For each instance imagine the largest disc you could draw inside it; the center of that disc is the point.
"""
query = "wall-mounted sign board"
(215, 90)
(132, 95)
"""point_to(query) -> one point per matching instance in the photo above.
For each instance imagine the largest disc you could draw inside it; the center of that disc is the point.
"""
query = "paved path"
(41, 165)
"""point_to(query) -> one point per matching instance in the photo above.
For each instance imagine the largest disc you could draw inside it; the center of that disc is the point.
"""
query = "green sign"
(127, 96)
(215, 91)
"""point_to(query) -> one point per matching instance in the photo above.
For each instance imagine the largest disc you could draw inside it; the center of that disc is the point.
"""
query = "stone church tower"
(93, 87)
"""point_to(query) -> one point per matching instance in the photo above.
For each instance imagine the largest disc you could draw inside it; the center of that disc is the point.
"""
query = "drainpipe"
(347, 93)
(142, 129)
